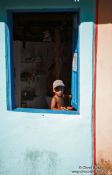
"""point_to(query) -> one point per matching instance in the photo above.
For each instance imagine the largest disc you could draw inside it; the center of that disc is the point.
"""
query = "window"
(44, 48)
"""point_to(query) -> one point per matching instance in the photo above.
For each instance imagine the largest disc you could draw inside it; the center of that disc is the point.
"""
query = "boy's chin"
(60, 95)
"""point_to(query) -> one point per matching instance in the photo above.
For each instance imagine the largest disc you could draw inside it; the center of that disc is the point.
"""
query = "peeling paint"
(40, 162)
(104, 167)
(3, 170)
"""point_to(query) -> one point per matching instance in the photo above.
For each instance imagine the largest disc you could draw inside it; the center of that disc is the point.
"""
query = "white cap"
(57, 83)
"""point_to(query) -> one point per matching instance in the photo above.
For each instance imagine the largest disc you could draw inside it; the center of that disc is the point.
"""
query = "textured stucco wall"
(104, 82)
(40, 144)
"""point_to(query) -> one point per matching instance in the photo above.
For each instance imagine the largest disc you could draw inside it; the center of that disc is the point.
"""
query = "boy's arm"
(67, 96)
(70, 96)
(53, 103)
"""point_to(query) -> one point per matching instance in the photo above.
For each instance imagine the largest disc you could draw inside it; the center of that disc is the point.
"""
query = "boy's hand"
(70, 108)
(67, 108)
(70, 96)
(63, 108)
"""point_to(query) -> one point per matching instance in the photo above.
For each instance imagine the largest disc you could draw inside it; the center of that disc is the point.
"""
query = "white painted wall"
(104, 82)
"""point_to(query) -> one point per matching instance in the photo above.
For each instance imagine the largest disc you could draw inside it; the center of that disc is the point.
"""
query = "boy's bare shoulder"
(54, 99)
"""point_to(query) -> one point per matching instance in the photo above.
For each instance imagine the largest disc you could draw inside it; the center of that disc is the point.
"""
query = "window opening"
(43, 52)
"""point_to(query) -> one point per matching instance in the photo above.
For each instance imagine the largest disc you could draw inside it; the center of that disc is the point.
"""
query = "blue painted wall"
(48, 144)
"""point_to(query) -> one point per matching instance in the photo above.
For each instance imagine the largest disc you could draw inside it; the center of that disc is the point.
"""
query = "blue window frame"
(75, 67)
(11, 105)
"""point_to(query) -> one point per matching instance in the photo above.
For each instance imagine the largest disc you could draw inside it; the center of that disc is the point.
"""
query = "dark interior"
(51, 59)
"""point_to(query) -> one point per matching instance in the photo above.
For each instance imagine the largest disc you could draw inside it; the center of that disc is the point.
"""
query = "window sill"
(46, 111)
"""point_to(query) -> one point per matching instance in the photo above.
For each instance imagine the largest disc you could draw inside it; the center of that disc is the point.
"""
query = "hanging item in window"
(47, 36)
(75, 62)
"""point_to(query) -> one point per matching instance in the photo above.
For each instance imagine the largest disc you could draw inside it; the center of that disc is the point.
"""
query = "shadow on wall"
(104, 11)
(104, 7)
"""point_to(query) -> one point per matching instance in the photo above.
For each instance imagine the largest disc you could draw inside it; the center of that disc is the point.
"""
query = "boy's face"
(59, 91)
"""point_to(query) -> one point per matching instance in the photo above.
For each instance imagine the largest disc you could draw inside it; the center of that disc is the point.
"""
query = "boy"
(57, 102)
